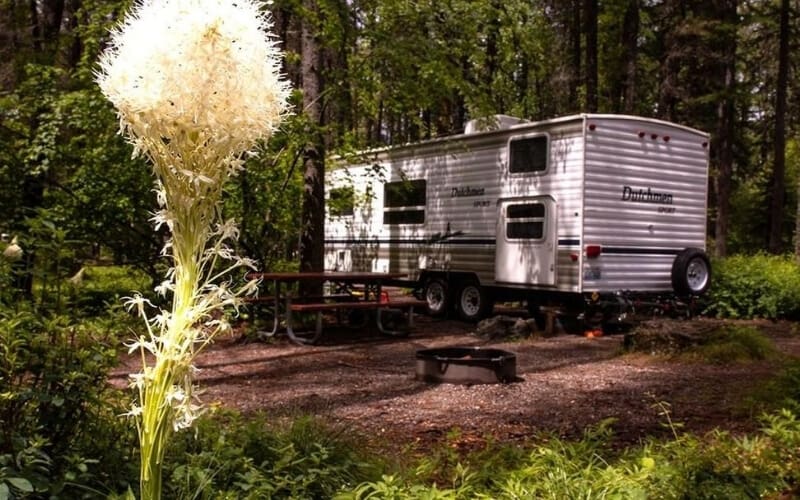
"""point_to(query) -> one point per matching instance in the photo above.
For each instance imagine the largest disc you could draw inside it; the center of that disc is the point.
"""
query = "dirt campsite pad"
(367, 383)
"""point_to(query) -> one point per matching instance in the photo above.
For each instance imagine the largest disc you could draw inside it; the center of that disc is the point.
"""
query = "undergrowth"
(229, 456)
(62, 437)
(755, 286)
(718, 465)
(732, 344)
(783, 391)
(719, 345)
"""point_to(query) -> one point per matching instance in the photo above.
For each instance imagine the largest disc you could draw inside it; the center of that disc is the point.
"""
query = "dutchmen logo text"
(458, 192)
(645, 196)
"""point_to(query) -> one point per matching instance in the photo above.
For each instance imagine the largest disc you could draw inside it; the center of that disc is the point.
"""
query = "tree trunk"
(575, 55)
(46, 17)
(591, 55)
(726, 111)
(75, 50)
(313, 213)
(775, 244)
(630, 42)
(492, 57)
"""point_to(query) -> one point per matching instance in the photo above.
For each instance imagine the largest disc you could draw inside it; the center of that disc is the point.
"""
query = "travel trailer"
(579, 213)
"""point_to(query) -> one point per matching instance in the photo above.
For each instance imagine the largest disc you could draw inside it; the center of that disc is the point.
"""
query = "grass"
(733, 344)
(716, 344)
(717, 465)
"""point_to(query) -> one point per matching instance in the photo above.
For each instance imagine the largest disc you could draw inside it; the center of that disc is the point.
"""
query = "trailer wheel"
(436, 297)
(691, 272)
(473, 302)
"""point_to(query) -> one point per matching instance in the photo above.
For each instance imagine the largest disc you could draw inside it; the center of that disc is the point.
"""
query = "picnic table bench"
(404, 304)
(370, 298)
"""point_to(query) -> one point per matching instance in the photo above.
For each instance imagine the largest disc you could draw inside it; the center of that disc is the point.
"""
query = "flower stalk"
(197, 85)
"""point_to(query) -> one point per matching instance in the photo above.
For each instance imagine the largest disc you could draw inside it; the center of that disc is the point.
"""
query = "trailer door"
(526, 241)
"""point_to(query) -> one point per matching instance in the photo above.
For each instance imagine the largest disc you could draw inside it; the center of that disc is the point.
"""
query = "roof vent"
(489, 123)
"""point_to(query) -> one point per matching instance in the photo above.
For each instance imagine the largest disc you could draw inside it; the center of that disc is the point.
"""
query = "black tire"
(437, 296)
(691, 272)
(473, 302)
(535, 312)
(573, 324)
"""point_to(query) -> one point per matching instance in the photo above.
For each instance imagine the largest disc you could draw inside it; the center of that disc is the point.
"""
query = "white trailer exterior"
(584, 205)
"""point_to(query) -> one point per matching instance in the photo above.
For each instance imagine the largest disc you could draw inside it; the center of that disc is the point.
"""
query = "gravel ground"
(565, 383)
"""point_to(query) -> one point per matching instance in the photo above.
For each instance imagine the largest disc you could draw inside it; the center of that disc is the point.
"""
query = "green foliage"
(95, 290)
(716, 466)
(781, 392)
(733, 344)
(61, 432)
(7, 295)
(264, 200)
(755, 286)
(24, 472)
(229, 456)
(69, 186)
(717, 343)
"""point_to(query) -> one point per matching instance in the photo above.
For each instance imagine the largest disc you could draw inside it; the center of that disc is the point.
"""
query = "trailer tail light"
(593, 251)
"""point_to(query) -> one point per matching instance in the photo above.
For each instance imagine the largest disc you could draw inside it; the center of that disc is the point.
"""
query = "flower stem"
(173, 359)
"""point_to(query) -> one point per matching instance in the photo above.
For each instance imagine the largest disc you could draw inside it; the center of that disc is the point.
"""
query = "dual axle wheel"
(471, 301)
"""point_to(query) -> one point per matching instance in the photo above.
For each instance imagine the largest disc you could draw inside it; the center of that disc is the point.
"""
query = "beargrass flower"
(197, 86)
(13, 251)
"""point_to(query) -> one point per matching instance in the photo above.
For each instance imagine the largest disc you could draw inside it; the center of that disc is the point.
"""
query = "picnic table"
(348, 291)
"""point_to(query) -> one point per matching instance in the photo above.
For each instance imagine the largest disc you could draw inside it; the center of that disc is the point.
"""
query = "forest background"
(371, 73)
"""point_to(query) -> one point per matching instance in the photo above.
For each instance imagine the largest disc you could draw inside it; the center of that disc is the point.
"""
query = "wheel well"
(452, 278)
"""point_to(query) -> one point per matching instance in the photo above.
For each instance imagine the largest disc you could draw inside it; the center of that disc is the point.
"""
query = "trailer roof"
(521, 126)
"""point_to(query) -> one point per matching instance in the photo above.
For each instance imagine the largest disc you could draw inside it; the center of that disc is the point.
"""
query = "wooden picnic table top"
(340, 276)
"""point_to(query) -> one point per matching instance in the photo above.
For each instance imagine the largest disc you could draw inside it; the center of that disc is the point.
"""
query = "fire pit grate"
(466, 365)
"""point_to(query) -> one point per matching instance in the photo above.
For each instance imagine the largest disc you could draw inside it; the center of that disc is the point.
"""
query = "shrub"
(230, 456)
(99, 288)
(760, 285)
(60, 431)
(781, 392)
(733, 344)
(713, 342)
(715, 466)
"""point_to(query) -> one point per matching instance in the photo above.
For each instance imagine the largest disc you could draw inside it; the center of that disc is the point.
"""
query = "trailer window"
(525, 221)
(528, 155)
(404, 202)
(341, 202)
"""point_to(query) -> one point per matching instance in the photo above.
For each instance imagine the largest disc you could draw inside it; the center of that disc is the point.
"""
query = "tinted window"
(528, 154)
(404, 193)
(404, 202)
(525, 230)
(341, 202)
(525, 221)
(404, 217)
(523, 211)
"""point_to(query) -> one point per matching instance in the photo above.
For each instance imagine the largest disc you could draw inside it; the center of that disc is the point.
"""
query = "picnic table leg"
(263, 334)
(290, 329)
(398, 332)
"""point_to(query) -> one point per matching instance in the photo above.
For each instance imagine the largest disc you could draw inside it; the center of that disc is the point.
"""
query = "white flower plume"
(187, 74)
(196, 84)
